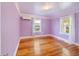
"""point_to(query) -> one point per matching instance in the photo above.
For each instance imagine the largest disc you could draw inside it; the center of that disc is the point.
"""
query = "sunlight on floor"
(66, 52)
(37, 47)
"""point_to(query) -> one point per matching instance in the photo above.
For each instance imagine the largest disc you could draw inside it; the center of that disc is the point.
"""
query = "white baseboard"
(60, 38)
(33, 36)
(16, 48)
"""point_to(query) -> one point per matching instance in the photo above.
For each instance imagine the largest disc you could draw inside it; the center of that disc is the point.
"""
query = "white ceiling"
(55, 7)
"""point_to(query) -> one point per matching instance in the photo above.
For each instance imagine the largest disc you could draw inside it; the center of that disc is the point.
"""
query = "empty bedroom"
(39, 29)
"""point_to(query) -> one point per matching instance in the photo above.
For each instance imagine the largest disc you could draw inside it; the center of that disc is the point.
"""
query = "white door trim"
(72, 34)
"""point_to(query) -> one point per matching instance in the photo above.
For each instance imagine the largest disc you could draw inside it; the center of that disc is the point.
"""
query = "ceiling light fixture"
(47, 6)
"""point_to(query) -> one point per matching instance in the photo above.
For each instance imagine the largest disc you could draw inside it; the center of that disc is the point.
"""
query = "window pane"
(36, 25)
(66, 25)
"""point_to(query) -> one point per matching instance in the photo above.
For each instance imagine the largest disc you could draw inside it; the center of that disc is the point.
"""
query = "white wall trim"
(60, 38)
(72, 34)
(33, 36)
(17, 7)
(16, 48)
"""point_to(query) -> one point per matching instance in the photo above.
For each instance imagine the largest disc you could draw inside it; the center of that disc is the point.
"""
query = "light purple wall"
(77, 27)
(9, 28)
(26, 27)
(46, 26)
(0, 28)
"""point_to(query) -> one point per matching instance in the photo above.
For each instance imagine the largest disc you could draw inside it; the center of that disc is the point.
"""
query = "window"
(66, 24)
(37, 25)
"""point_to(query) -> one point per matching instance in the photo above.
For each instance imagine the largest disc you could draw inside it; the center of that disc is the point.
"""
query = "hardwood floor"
(46, 46)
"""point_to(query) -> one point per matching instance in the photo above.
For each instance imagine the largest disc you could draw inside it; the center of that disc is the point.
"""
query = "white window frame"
(61, 20)
(33, 26)
(72, 32)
